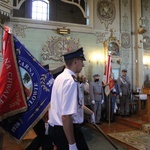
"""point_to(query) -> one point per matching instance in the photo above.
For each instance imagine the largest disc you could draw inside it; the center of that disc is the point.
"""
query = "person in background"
(87, 101)
(124, 93)
(67, 105)
(113, 106)
(96, 97)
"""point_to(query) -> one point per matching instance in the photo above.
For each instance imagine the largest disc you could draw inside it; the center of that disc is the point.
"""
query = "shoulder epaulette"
(74, 78)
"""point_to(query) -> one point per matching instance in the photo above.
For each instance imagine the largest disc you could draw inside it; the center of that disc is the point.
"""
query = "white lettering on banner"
(7, 63)
(7, 89)
(15, 126)
(50, 82)
(34, 95)
(26, 67)
(1, 102)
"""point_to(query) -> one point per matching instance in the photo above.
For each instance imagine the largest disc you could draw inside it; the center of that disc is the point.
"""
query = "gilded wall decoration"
(19, 30)
(112, 45)
(106, 12)
(100, 37)
(125, 2)
(125, 23)
(54, 47)
(125, 40)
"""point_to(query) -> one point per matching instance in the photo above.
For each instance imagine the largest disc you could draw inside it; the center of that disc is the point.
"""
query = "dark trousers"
(41, 140)
(110, 108)
(124, 105)
(61, 142)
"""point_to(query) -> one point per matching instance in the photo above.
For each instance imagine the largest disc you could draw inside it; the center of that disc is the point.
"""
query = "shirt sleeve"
(69, 98)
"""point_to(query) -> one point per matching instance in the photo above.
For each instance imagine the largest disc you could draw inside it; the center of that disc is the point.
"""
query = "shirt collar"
(69, 71)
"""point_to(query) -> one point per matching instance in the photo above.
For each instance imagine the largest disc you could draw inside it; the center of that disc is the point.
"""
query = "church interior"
(119, 28)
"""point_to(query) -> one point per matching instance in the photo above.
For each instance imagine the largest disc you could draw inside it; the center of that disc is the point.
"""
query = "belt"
(96, 93)
(75, 125)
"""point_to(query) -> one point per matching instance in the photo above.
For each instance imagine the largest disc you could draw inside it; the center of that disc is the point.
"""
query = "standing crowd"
(75, 101)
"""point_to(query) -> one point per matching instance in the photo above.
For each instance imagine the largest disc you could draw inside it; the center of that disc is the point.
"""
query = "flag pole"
(98, 128)
(2, 26)
(109, 109)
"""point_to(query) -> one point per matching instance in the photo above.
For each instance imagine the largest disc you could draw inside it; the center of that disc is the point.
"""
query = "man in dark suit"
(97, 97)
(124, 91)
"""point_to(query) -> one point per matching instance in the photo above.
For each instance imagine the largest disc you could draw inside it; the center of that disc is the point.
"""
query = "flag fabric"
(37, 82)
(108, 79)
(12, 97)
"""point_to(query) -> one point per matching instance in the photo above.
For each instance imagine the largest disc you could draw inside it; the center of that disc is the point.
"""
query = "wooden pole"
(98, 128)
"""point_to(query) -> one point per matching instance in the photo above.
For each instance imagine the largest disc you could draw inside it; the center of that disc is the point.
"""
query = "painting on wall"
(116, 73)
(113, 48)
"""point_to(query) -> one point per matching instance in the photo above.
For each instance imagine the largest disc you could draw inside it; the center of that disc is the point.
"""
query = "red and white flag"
(108, 79)
(12, 97)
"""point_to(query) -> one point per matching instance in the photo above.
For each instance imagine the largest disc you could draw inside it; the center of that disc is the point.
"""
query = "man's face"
(79, 64)
(124, 73)
(83, 79)
(97, 77)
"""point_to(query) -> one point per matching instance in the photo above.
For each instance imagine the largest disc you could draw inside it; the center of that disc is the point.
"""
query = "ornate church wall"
(110, 23)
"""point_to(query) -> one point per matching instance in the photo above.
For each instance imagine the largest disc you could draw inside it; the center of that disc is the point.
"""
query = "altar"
(146, 114)
(141, 101)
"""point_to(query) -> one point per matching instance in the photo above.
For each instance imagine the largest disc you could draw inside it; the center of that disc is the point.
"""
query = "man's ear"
(75, 60)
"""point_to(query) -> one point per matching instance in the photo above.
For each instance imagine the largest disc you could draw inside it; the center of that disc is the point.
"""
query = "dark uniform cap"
(74, 54)
(124, 70)
(96, 75)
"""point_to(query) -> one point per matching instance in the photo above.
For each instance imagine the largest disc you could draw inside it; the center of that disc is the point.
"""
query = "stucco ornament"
(145, 4)
(146, 43)
(6, 1)
(125, 40)
(100, 37)
(106, 12)
(54, 47)
(20, 30)
(125, 2)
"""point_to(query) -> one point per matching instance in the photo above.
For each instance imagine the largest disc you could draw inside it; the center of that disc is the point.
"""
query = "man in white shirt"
(66, 112)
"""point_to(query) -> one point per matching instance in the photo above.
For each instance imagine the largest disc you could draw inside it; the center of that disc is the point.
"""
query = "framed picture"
(113, 47)
(116, 73)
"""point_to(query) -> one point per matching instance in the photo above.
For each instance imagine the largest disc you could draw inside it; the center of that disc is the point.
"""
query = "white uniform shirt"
(64, 99)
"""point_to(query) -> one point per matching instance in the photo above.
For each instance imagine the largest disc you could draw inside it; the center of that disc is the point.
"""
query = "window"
(40, 9)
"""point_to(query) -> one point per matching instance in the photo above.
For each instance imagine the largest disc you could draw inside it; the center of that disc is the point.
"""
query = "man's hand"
(73, 146)
(46, 128)
(93, 118)
(93, 102)
(120, 94)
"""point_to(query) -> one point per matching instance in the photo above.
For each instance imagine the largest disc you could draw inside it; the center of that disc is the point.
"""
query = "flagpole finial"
(109, 52)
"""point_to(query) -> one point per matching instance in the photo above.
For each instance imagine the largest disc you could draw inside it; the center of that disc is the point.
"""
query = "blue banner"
(37, 83)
